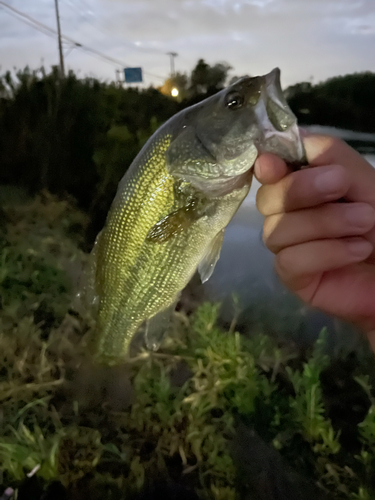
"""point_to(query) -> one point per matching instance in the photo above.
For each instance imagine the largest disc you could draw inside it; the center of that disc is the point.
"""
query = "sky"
(310, 40)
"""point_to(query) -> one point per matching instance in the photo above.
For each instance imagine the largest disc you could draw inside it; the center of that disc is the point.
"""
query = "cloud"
(319, 38)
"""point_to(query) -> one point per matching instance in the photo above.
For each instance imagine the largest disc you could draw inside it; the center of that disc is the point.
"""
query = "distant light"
(174, 92)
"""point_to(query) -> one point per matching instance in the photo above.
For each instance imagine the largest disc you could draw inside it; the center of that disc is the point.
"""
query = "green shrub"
(173, 414)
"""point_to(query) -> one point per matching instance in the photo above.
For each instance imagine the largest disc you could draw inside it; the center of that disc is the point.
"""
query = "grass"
(212, 412)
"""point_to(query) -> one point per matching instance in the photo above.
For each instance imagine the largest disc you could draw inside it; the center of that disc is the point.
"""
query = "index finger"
(326, 150)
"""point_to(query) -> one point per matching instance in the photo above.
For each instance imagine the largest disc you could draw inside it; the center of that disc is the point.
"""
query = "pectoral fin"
(207, 264)
(157, 326)
(175, 223)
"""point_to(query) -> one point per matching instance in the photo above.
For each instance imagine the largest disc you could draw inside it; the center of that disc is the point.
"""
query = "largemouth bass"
(173, 204)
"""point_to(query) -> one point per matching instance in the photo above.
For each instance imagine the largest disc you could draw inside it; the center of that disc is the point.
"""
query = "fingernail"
(360, 215)
(328, 181)
(258, 168)
(359, 248)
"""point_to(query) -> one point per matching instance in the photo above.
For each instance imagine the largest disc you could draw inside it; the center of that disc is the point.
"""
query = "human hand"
(324, 249)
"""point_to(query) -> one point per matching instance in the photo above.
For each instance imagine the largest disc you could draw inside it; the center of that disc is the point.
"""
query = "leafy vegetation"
(213, 413)
(73, 137)
(343, 101)
(203, 81)
(77, 137)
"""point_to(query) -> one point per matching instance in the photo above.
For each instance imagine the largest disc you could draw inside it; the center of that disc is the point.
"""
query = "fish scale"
(148, 276)
(174, 203)
(130, 219)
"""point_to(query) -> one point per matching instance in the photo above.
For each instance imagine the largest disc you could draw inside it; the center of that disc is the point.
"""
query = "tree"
(53, 132)
(206, 79)
(343, 101)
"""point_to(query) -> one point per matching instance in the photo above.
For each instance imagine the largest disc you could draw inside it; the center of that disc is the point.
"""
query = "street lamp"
(174, 92)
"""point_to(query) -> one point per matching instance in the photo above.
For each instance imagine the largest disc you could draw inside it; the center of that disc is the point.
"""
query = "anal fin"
(157, 327)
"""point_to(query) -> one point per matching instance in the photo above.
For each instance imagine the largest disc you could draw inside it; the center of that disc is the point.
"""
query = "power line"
(39, 26)
(54, 32)
(42, 30)
(28, 18)
(107, 32)
(51, 33)
(77, 9)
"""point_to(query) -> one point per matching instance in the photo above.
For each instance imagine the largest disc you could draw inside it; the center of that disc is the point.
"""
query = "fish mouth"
(272, 80)
(279, 125)
(273, 89)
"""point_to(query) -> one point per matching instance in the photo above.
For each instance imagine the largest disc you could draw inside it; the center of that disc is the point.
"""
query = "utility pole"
(62, 69)
(118, 78)
(172, 55)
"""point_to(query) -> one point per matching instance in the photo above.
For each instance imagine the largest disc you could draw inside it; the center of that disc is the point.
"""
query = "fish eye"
(234, 100)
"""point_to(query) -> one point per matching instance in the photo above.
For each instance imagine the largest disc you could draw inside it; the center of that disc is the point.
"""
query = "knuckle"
(321, 149)
(261, 200)
(294, 191)
(342, 170)
(326, 142)
(285, 264)
(269, 235)
(330, 142)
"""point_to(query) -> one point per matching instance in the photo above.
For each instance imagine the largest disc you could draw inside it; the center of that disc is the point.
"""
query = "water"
(245, 269)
